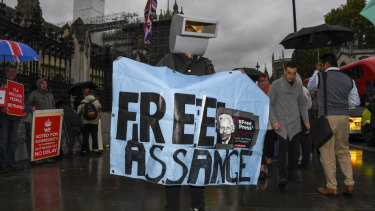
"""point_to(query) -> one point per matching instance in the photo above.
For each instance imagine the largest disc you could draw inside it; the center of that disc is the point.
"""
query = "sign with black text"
(165, 126)
(15, 98)
(46, 133)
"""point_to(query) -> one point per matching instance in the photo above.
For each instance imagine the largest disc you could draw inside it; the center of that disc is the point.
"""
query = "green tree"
(345, 15)
(348, 15)
(306, 60)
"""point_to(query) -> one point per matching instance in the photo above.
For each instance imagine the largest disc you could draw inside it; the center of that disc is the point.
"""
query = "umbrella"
(317, 37)
(11, 51)
(77, 88)
(369, 11)
(251, 72)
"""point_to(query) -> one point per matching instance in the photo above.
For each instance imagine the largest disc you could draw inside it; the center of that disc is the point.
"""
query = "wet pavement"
(84, 183)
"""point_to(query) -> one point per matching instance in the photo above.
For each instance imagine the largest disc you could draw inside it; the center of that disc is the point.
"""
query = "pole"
(294, 15)
(295, 24)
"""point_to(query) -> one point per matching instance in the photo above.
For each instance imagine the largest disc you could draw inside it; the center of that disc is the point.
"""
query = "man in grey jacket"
(287, 106)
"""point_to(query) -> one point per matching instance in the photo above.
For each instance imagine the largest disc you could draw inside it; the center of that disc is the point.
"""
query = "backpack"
(89, 111)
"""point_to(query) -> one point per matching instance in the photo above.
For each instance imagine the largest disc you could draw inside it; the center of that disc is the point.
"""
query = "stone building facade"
(347, 56)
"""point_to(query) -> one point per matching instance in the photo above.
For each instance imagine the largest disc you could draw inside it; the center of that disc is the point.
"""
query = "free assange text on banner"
(175, 129)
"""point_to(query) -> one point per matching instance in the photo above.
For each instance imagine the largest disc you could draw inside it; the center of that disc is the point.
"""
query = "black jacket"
(71, 119)
(198, 65)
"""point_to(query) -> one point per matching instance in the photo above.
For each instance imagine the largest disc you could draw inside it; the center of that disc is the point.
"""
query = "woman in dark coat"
(72, 123)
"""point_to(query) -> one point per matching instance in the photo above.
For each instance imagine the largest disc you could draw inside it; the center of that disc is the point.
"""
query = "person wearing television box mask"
(188, 41)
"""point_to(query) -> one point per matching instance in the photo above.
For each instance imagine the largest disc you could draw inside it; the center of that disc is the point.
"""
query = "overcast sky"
(249, 31)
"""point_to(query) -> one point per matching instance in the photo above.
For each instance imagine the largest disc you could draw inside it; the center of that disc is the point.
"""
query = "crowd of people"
(83, 121)
(292, 109)
(291, 129)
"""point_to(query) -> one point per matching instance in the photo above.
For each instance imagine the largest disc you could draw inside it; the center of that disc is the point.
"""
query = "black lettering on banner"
(205, 140)
(181, 119)
(220, 105)
(219, 164)
(182, 164)
(197, 164)
(147, 120)
(243, 165)
(135, 132)
(123, 113)
(198, 102)
(228, 170)
(136, 156)
(163, 166)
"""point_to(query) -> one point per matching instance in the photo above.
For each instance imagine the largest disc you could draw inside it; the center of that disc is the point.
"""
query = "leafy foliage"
(346, 15)
(306, 60)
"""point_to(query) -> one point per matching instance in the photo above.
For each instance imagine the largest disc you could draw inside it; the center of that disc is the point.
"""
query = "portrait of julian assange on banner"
(175, 129)
(46, 133)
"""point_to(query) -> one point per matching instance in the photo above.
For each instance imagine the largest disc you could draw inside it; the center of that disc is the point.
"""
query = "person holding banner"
(8, 129)
(89, 111)
(40, 99)
(184, 60)
(286, 97)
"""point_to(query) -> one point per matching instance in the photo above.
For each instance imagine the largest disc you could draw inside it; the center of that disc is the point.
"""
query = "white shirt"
(353, 95)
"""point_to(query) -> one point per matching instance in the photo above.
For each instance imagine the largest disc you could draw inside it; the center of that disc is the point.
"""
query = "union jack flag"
(147, 27)
(16, 52)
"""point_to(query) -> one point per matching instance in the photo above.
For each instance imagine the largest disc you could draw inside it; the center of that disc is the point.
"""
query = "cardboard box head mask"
(191, 34)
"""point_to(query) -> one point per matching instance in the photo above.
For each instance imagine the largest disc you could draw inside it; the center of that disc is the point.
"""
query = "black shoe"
(269, 166)
(14, 167)
(4, 169)
(283, 183)
(197, 209)
(97, 152)
(262, 175)
(297, 177)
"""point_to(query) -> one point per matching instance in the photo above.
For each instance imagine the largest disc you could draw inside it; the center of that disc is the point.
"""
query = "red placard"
(46, 134)
(15, 98)
(3, 97)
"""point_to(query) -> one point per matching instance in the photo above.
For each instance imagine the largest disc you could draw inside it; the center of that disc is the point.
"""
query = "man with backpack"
(89, 111)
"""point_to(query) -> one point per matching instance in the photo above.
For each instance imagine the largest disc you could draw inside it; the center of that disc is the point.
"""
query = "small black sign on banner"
(236, 129)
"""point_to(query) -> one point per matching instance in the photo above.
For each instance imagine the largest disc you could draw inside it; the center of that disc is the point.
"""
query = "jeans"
(28, 138)
(305, 146)
(173, 197)
(288, 149)
(8, 140)
(87, 130)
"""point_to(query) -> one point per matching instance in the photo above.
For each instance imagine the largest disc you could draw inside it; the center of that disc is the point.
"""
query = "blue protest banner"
(176, 129)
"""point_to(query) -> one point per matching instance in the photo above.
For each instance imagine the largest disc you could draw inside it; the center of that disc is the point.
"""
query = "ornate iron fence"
(54, 48)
